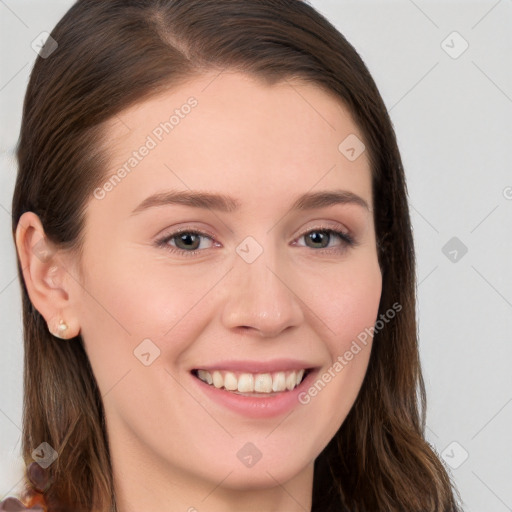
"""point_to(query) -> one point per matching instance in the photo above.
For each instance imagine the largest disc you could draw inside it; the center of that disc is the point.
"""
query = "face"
(246, 283)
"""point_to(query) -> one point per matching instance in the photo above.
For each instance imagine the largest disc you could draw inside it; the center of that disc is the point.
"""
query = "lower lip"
(256, 407)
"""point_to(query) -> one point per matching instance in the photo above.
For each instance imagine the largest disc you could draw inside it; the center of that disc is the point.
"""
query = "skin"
(173, 448)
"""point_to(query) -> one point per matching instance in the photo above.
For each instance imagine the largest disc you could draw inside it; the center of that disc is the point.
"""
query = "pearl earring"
(61, 330)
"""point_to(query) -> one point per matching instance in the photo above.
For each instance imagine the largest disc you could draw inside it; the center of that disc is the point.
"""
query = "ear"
(46, 277)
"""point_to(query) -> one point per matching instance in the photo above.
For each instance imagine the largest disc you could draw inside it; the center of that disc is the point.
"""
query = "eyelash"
(346, 239)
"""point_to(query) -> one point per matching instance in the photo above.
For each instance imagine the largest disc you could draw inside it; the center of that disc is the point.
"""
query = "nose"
(260, 297)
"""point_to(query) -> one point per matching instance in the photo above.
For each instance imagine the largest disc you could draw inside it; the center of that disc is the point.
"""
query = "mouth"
(253, 384)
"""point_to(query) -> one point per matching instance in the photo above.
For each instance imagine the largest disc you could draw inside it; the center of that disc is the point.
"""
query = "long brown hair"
(114, 53)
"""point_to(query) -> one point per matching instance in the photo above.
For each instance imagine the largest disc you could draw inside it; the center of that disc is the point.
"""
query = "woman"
(217, 269)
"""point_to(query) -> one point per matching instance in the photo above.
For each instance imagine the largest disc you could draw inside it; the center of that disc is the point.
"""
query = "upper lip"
(274, 365)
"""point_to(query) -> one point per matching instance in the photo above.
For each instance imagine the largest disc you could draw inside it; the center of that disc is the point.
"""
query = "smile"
(274, 382)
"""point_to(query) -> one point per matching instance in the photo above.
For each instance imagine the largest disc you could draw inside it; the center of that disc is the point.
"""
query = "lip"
(257, 407)
(274, 365)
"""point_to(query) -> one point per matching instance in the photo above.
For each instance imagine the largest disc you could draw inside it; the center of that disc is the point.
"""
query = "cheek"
(140, 300)
(130, 300)
(123, 305)
(347, 310)
(345, 300)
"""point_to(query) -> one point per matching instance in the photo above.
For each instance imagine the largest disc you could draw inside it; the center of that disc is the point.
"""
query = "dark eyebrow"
(223, 203)
(207, 200)
(325, 198)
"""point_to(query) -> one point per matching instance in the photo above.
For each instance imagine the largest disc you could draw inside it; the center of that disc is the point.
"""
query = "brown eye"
(185, 242)
(321, 238)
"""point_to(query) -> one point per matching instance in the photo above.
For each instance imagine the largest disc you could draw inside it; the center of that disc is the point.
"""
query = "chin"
(258, 479)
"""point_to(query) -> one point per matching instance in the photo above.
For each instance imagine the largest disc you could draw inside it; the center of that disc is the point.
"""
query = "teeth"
(230, 382)
(291, 379)
(263, 383)
(250, 383)
(245, 383)
(279, 382)
(218, 379)
(205, 376)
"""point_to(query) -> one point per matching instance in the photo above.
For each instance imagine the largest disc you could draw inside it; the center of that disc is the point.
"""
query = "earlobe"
(61, 331)
(44, 274)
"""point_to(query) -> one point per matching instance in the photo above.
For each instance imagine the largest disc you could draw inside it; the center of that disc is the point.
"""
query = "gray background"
(452, 114)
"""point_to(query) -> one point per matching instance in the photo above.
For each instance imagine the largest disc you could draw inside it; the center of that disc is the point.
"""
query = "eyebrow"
(223, 203)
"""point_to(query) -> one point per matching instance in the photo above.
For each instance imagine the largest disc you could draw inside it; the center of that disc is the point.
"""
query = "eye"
(188, 242)
(320, 238)
(184, 241)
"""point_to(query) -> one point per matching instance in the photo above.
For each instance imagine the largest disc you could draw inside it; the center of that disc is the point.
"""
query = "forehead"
(230, 131)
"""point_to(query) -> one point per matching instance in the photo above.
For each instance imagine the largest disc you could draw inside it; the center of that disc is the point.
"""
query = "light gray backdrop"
(445, 72)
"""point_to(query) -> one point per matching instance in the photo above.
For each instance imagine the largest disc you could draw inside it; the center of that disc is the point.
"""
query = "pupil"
(187, 238)
(318, 236)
